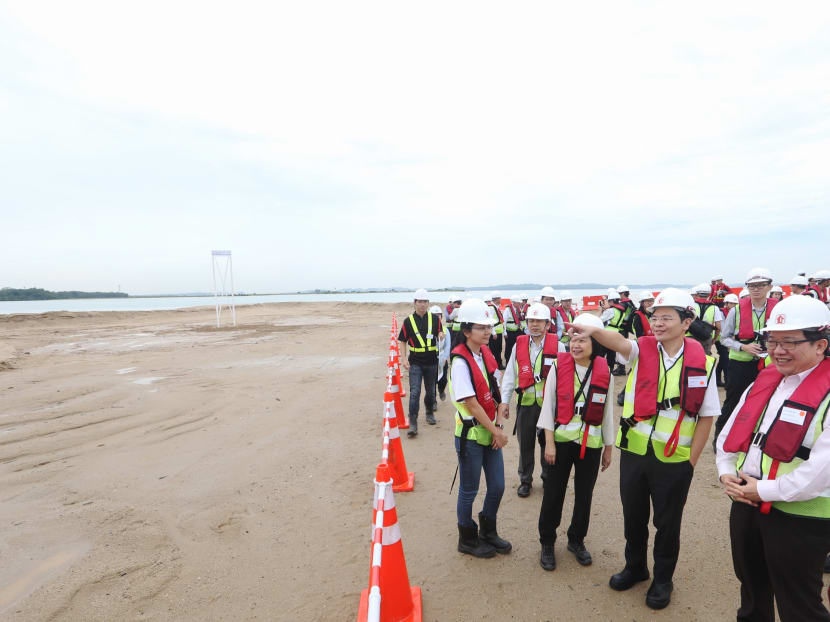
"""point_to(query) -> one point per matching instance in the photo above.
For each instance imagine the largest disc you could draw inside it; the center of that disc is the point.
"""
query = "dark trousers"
(509, 342)
(429, 375)
(741, 375)
(526, 419)
(723, 361)
(442, 384)
(495, 347)
(478, 458)
(645, 480)
(611, 357)
(781, 556)
(556, 483)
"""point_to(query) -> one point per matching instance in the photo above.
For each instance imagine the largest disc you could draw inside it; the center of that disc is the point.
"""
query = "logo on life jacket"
(525, 369)
(780, 318)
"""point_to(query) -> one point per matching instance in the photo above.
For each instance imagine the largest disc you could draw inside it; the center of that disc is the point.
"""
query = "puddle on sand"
(149, 380)
(34, 577)
(126, 370)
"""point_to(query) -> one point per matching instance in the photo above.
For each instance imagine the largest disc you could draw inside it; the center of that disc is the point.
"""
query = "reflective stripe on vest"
(515, 319)
(757, 324)
(659, 428)
(430, 345)
(616, 322)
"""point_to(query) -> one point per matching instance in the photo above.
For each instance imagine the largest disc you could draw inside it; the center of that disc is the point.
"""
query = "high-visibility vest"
(530, 377)
(416, 341)
(744, 313)
(484, 385)
(567, 317)
(789, 440)
(513, 325)
(683, 382)
(586, 402)
(499, 325)
(616, 322)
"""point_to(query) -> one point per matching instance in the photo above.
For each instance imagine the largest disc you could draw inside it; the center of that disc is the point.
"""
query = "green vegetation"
(36, 293)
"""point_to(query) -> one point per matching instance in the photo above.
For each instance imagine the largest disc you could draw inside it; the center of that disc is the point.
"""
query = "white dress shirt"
(547, 417)
(809, 480)
(508, 379)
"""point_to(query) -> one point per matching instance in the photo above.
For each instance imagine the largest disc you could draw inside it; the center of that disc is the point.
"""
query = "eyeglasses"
(482, 327)
(757, 285)
(787, 346)
(662, 318)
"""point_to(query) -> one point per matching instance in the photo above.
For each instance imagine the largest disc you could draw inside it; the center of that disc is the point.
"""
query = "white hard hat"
(731, 298)
(457, 298)
(821, 275)
(645, 295)
(623, 288)
(435, 309)
(494, 295)
(717, 277)
(798, 312)
(744, 292)
(701, 288)
(776, 288)
(798, 279)
(547, 290)
(673, 297)
(758, 275)
(421, 294)
(538, 311)
(612, 294)
(475, 311)
(535, 299)
(588, 319)
(566, 295)
(523, 296)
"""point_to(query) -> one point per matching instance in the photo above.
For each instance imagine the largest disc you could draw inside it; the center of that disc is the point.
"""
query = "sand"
(153, 467)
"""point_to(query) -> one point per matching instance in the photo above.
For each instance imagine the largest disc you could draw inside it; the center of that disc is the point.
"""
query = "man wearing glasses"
(741, 333)
(773, 460)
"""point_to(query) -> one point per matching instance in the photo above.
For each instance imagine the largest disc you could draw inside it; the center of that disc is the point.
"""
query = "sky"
(370, 144)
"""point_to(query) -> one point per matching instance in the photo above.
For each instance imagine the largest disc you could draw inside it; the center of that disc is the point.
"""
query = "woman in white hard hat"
(479, 430)
(670, 403)
(741, 334)
(774, 462)
(526, 371)
(798, 284)
(640, 324)
(776, 292)
(578, 422)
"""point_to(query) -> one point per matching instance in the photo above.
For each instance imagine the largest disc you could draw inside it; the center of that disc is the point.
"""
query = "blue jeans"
(429, 375)
(476, 458)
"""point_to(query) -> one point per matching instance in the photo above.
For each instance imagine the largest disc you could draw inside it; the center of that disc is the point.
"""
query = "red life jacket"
(645, 323)
(784, 438)
(567, 316)
(597, 390)
(484, 393)
(495, 308)
(549, 351)
(821, 293)
(746, 331)
(517, 313)
(450, 309)
(648, 375)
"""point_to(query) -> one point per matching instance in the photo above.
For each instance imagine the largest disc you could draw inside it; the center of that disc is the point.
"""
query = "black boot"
(488, 534)
(548, 558)
(468, 542)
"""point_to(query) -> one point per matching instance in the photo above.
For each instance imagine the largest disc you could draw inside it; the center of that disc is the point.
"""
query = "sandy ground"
(153, 467)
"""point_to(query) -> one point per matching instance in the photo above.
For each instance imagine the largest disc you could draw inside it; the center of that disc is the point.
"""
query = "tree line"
(37, 293)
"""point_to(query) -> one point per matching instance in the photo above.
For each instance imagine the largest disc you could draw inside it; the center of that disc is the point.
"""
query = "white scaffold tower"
(222, 294)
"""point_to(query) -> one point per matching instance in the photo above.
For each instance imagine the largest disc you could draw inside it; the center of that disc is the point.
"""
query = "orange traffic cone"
(404, 480)
(393, 394)
(395, 363)
(389, 597)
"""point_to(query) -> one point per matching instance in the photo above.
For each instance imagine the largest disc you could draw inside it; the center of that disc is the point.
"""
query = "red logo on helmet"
(660, 300)
(780, 318)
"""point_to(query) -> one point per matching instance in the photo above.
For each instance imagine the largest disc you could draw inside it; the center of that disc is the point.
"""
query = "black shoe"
(523, 490)
(548, 558)
(442, 394)
(581, 553)
(827, 564)
(430, 419)
(627, 578)
(487, 533)
(469, 543)
(659, 595)
(413, 430)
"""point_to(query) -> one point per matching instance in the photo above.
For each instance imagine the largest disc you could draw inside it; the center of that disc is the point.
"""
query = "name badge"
(697, 382)
(793, 415)
(548, 361)
(598, 398)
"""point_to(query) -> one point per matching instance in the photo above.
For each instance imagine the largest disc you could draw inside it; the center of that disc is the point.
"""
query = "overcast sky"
(379, 144)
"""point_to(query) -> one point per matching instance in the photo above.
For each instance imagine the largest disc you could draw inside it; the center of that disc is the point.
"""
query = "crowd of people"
(769, 352)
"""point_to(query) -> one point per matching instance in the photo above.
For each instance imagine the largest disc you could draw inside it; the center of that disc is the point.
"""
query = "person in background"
(614, 319)
(776, 292)
(565, 314)
(708, 312)
(730, 301)
(526, 371)
(578, 422)
(670, 403)
(798, 284)
(718, 290)
(640, 324)
(479, 431)
(548, 298)
(512, 315)
(496, 341)
(741, 334)
(817, 285)
(773, 459)
(444, 347)
(419, 335)
(453, 304)
(630, 307)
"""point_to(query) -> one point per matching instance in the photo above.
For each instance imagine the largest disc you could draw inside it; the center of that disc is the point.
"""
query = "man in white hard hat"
(718, 290)
(709, 314)
(495, 344)
(512, 316)
(798, 284)
(774, 462)
(548, 298)
(565, 314)
(670, 403)
(818, 284)
(526, 371)
(614, 319)
(420, 333)
(630, 307)
(742, 335)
